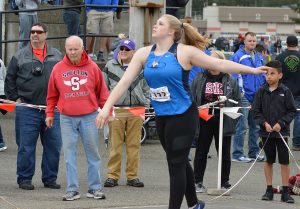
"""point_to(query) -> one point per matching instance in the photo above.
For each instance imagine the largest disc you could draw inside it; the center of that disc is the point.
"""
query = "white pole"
(220, 147)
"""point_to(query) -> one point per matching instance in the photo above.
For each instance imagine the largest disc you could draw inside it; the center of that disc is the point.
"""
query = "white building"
(225, 20)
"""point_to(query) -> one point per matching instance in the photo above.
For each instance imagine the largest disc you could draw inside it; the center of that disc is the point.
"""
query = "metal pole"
(1, 35)
(220, 147)
(84, 25)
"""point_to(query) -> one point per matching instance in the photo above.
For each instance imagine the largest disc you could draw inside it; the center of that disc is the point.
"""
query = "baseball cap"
(292, 41)
(127, 43)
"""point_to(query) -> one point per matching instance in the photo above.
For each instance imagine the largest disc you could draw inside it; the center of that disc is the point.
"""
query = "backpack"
(13, 6)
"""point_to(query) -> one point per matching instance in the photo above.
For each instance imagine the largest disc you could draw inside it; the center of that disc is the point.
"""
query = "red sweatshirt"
(76, 89)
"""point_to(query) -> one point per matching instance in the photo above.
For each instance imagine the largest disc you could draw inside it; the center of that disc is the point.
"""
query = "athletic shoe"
(260, 158)
(200, 205)
(285, 197)
(226, 185)
(110, 182)
(70, 196)
(268, 196)
(2, 147)
(26, 186)
(135, 183)
(52, 185)
(96, 194)
(242, 159)
(93, 57)
(200, 188)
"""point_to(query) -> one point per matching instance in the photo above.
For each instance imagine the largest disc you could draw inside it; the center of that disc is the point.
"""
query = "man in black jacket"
(290, 61)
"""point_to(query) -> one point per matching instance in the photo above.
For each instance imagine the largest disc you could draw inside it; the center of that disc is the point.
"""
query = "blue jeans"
(57, 2)
(71, 128)
(296, 130)
(30, 124)
(241, 129)
(72, 20)
(26, 22)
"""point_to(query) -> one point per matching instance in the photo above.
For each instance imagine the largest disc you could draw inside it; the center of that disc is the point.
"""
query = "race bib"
(161, 94)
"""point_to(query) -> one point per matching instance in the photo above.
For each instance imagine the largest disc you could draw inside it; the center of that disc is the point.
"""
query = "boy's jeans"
(241, 129)
(71, 128)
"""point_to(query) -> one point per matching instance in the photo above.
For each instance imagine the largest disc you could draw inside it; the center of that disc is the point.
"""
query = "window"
(257, 16)
(286, 17)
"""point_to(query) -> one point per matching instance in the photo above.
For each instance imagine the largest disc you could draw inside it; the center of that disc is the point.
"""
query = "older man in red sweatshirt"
(77, 88)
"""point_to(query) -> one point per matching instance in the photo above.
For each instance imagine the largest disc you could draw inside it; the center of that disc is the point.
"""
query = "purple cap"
(127, 43)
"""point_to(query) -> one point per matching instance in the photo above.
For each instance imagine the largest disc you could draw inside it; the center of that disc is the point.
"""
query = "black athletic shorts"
(270, 148)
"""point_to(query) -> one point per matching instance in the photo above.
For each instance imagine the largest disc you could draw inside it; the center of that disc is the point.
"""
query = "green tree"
(296, 8)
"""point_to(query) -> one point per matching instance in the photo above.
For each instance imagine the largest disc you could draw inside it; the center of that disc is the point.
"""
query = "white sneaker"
(93, 56)
(200, 188)
(2, 147)
(242, 159)
(70, 196)
(96, 194)
(260, 158)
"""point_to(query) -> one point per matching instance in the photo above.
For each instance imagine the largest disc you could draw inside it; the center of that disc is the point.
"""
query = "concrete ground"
(153, 171)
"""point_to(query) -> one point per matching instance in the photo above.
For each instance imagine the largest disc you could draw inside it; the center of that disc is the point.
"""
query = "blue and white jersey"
(168, 82)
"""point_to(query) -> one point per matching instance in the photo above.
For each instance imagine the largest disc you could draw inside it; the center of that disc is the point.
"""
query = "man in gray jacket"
(27, 19)
(127, 128)
(27, 82)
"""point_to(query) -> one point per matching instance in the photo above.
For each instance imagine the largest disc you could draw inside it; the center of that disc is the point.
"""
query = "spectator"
(264, 52)
(125, 129)
(248, 84)
(71, 16)
(77, 82)
(206, 88)
(166, 65)
(100, 20)
(2, 96)
(275, 122)
(27, 81)
(26, 19)
(238, 42)
(290, 60)
(119, 9)
(175, 3)
(278, 45)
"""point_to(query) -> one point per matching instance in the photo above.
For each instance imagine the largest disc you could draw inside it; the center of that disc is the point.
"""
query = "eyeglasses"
(123, 48)
(37, 32)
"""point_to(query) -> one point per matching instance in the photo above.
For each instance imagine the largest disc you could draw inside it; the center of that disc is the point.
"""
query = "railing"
(83, 35)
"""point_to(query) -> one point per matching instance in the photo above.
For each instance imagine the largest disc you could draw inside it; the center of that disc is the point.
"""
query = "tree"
(296, 8)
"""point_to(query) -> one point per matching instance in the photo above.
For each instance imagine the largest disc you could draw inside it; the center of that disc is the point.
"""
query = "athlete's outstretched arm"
(133, 70)
(199, 58)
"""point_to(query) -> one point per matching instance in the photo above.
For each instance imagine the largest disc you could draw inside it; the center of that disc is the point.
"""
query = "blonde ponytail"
(187, 33)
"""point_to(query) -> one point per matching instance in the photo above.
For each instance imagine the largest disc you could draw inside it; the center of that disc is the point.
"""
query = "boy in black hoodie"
(274, 109)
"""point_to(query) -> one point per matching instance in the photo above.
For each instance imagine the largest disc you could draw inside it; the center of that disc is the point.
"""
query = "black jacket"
(20, 81)
(231, 91)
(274, 107)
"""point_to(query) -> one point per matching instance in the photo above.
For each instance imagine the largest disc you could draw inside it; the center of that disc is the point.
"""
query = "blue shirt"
(102, 2)
(168, 82)
(248, 83)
